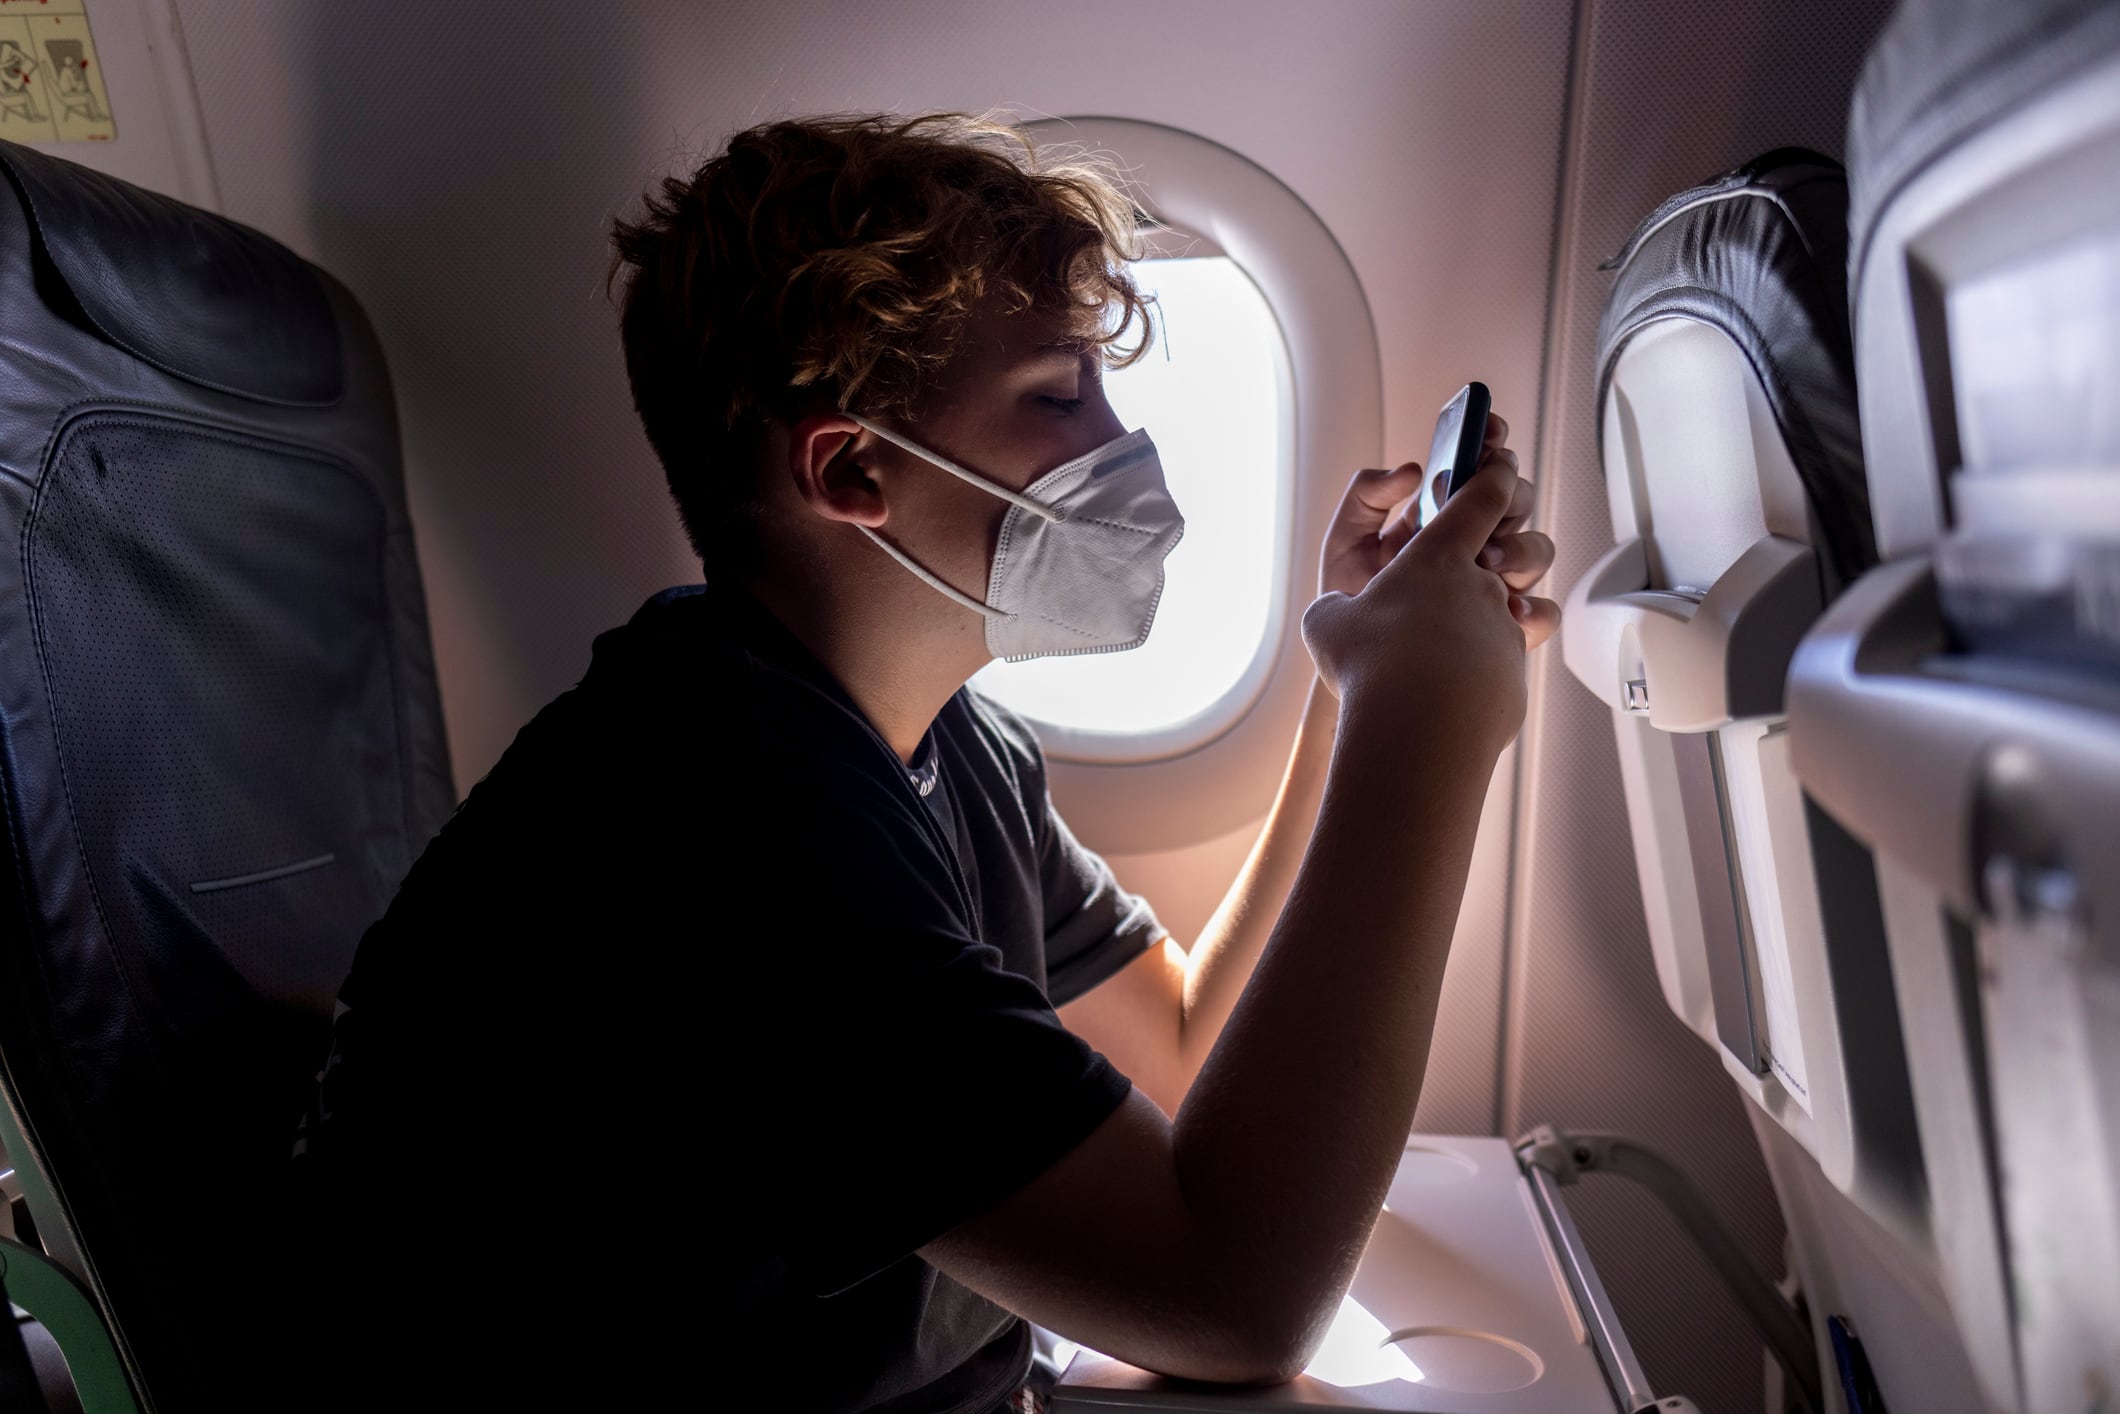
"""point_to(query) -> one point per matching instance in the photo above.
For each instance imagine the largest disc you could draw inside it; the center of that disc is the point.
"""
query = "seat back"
(1959, 710)
(1732, 458)
(1734, 475)
(220, 740)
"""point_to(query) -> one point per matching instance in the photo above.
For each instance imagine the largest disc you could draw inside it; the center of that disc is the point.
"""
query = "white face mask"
(1078, 566)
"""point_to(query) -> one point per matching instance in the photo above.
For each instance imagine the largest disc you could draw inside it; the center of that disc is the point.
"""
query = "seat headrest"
(192, 293)
(1944, 69)
(1758, 253)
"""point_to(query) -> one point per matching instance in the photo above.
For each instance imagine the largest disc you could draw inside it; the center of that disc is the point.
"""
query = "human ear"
(826, 452)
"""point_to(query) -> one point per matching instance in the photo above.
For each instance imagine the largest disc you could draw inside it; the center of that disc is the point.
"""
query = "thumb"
(1469, 519)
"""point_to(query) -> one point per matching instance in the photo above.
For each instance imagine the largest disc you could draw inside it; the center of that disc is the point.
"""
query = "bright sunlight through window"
(1208, 395)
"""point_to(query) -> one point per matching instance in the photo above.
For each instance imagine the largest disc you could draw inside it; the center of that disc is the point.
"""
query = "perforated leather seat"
(1959, 709)
(222, 741)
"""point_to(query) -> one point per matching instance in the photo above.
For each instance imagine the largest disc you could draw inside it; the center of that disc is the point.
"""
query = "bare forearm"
(1222, 959)
(1292, 1129)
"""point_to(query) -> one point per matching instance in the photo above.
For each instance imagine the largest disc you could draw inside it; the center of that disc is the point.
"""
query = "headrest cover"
(1759, 253)
(1944, 69)
(195, 295)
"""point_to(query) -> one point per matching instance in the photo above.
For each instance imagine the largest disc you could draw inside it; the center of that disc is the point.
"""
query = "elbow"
(1275, 1352)
(1276, 1325)
(1267, 1368)
(1257, 1358)
(1243, 1364)
(1247, 1342)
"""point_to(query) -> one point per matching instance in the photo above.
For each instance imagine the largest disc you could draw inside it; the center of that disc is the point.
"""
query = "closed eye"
(1067, 407)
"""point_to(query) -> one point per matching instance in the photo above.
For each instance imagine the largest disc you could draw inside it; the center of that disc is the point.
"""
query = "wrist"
(1321, 712)
(1378, 721)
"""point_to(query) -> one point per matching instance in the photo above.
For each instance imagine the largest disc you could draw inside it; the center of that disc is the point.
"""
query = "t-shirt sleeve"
(1093, 926)
(898, 1079)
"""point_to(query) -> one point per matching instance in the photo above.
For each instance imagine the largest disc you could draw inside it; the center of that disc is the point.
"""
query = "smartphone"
(1460, 433)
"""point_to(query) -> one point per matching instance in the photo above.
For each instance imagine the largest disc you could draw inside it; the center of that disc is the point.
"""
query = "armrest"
(48, 1292)
(1692, 662)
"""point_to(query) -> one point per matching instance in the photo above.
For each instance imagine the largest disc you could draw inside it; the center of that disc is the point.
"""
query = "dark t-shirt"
(697, 1019)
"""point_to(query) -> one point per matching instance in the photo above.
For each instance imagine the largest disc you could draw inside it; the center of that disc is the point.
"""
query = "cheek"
(959, 525)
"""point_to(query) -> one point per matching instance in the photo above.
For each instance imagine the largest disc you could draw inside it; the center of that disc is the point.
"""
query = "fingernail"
(1490, 557)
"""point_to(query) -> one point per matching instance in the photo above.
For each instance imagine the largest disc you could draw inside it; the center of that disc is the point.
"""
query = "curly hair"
(843, 257)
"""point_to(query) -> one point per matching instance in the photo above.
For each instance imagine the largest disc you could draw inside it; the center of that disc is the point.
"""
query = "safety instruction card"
(51, 87)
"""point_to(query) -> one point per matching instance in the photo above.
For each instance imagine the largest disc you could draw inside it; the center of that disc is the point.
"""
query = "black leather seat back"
(220, 741)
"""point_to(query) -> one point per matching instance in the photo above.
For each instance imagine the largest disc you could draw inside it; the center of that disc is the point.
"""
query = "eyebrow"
(1058, 351)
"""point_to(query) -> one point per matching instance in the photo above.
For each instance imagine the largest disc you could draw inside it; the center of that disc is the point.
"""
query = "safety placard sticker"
(51, 86)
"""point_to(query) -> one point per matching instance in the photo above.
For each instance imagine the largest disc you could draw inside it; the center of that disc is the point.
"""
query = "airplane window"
(1210, 394)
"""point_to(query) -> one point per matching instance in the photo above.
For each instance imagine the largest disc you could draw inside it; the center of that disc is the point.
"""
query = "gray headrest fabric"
(1758, 253)
(1944, 69)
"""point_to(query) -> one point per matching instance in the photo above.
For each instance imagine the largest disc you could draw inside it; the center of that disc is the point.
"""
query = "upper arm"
(1094, 927)
(869, 1020)
(946, 1062)
(1103, 1249)
(1135, 1018)
(1116, 976)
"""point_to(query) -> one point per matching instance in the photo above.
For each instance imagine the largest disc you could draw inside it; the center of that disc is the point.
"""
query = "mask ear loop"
(1014, 498)
(926, 576)
(977, 606)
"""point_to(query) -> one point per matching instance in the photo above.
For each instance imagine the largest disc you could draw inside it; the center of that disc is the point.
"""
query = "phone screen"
(1460, 433)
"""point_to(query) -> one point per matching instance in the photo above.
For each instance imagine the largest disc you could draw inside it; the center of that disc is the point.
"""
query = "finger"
(1521, 559)
(1365, 510)
(1438, 489)
(1519, 509)
(1470, 518)
(1539, 618)
(1379, 491)
(1401, 528)
(1497, 430)
(1367, 506)
(1520, 506)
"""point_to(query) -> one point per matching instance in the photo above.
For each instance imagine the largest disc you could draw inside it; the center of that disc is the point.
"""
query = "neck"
(896, 656)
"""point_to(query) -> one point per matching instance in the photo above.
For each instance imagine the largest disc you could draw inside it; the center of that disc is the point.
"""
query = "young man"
(712, 1047)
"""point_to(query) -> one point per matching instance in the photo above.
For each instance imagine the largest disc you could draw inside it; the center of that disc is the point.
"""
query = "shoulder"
(682, 733)
(696, 674)
(1007, 734)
